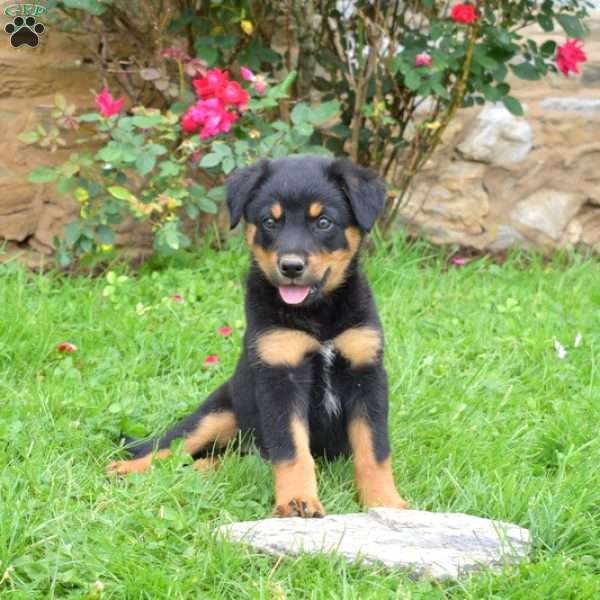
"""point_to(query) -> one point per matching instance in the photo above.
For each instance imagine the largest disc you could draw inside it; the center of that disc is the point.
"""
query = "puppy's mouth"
(295, 294)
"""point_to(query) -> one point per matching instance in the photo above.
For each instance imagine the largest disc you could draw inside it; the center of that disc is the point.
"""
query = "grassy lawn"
(486, 419)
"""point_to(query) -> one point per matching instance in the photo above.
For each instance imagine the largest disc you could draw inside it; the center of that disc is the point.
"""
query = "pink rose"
(423, 60)
(247, 74)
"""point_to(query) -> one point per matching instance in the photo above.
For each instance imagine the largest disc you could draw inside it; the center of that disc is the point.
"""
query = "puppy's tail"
(211, 425)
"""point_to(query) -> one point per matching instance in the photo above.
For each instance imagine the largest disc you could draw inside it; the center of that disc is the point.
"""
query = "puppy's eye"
(323, 223)
(269, 223)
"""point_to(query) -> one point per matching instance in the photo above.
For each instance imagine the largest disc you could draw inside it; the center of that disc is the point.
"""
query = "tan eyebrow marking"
(315, 209)
(277, 210)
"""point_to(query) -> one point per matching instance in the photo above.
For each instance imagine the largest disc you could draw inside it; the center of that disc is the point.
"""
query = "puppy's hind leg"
(212, 424)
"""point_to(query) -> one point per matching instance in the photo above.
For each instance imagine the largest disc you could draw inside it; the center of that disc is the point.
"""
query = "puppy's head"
(306, 217)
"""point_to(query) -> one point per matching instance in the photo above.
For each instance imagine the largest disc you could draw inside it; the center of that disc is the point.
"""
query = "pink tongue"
(293, 294)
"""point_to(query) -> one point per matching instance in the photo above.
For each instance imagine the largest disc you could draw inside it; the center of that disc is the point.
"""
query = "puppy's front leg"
(369, 440)
(283, 382)
(367, 426)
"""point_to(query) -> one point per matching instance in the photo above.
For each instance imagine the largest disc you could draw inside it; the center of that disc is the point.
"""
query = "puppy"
(310, 380)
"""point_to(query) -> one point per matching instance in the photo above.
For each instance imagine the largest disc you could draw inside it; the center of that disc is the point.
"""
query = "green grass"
(485, 419)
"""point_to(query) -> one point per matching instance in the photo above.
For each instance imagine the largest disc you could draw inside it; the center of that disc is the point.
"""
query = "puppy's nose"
(292, 266)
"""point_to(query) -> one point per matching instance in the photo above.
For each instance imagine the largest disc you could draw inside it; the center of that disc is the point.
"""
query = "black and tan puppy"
(310, 381)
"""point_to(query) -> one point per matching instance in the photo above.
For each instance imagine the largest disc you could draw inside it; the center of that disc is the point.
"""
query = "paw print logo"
(24, 31)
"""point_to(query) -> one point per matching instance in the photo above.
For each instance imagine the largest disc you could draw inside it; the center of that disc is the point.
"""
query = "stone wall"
(496, 182)
(499, 181)
(31, 215)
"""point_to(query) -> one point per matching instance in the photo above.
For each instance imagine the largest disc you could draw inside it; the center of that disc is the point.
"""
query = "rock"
(453, 198)
(591, 76)
(506, 237)
(548, 211)
(590, 224)
(19, 212)
(584, 106)
(497, 137)
(437, 545)
(572, 234)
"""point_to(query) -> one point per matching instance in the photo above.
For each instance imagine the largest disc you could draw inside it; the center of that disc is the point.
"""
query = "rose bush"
(211, 88)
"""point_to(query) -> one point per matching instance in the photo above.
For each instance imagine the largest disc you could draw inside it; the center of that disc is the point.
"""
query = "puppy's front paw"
(300, 507)
(386, 499)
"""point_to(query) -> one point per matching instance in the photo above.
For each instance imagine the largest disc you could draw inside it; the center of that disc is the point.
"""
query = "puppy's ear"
(240, 187)
(363, 188)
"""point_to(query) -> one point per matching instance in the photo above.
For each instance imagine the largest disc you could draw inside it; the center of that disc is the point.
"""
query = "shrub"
(378, 81)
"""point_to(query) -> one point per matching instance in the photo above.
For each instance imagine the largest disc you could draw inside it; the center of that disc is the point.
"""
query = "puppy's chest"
(330, 400)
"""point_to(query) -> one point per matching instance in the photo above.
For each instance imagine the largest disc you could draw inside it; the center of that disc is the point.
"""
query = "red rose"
(232, 92)
(211, 83)
(569, 55)
(189, 124)
(209, 117)
(463, 13)
(211, 359)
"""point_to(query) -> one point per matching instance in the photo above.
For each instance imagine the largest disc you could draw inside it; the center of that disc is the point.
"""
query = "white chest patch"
(330, 401)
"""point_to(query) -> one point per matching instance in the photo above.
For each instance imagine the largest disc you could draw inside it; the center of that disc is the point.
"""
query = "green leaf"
(172, 239)
(305, 129)
(525, 71)
(210, 160)
(221, 149)
(300, 113)
(144, 163)
(548, 48)
(192, 210)
(197, 191)
(42, 175)
(94, 7)
(323, 112)
(207, 205)
(90, 117)
(412, 80)
(156, 149)
(168, 168)
(217, 193)
(545, 22)
(110, 153)
(121, 193)
(66, 184)
(146, 121)
(485, 61)
(85, 245)
(209, 54)
(241, 146)
(29, 137)
(513, 105)
(72, 233)
(228, 165)
(503, 88)
(105, 235)
(572, 25)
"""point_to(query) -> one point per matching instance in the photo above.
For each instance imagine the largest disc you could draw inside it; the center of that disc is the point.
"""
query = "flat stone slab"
(426, 544)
